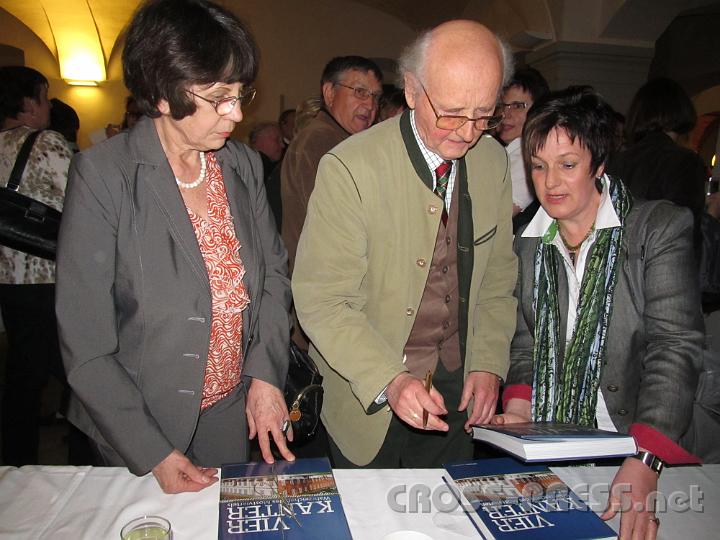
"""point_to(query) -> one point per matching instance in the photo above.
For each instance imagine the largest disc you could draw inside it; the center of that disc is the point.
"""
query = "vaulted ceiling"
(525, 23)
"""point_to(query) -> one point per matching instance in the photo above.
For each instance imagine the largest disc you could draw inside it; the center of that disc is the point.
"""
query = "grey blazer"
(655, 337)
(133, 299)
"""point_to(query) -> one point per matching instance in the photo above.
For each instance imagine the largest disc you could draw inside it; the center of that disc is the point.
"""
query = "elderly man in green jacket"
(405, 263)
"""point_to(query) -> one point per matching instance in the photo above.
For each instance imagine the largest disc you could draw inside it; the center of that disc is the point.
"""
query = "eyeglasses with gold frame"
(452, 122)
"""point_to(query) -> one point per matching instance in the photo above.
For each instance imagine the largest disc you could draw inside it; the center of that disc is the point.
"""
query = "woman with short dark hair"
(609, 329)
(172, 291)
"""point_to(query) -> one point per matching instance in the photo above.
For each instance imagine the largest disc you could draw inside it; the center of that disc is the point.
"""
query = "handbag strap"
(23, 155)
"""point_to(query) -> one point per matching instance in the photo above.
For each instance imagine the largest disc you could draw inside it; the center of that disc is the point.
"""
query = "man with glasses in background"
(524, 89)
(351, 87)
(404, 273)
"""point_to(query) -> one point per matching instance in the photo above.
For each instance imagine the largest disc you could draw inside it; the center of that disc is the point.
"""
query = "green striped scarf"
(569, 393)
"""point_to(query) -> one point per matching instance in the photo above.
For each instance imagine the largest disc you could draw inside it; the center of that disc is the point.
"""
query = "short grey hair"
(412, 59)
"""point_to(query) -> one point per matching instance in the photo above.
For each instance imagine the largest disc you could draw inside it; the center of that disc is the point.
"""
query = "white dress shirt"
(521, 194)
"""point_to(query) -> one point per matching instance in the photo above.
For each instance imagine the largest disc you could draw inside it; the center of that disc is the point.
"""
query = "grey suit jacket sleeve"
(673, 322)
(267, 352)
(88, 322)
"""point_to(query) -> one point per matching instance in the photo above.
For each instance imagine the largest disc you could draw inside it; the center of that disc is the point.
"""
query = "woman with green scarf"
(609, 330)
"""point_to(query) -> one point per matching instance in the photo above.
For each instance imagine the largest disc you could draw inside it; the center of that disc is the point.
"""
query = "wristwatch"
(651, 460)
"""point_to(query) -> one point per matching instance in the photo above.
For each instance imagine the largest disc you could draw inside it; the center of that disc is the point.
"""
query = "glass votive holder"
(147, 528)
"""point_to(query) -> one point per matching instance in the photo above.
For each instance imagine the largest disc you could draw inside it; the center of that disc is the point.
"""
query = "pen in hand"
(428, 386)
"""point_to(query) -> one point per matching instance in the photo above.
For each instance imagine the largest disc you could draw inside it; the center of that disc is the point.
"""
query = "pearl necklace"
(200, 179)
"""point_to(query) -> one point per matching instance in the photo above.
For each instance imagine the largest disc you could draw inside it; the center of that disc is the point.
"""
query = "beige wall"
(294, 47)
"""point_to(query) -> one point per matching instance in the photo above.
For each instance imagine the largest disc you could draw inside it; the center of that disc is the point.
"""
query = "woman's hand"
(266, 412)
(516, 410)
(630, 494)
(177, 474)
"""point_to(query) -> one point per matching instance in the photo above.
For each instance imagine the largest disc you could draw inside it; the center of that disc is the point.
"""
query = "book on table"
(506, 499)
(286, 499)
(550, 441)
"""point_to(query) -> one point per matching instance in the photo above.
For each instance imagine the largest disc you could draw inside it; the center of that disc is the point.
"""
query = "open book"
(549, 441)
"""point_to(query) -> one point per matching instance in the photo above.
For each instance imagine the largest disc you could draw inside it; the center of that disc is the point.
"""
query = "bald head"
(456, 69)
(464, 45)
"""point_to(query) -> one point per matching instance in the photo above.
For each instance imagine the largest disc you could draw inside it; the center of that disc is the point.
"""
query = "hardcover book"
(506, 499)
(286, 499)
(550, 441)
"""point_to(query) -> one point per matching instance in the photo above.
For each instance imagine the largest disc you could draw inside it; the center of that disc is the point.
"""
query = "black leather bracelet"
(651, 460)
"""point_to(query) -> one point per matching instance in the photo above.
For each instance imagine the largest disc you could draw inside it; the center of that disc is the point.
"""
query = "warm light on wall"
(80, 53)
(73, 82)
(78, 61)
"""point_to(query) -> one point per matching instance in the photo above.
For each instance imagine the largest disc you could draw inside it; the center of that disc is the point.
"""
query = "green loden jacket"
(363, 260)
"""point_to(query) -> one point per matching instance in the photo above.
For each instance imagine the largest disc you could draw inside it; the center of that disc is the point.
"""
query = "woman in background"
(172, 291)
(654, 165)
(609, 329)
(27, 283)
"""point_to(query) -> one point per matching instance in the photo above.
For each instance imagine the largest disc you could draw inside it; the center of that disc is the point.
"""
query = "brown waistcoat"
(434, 334)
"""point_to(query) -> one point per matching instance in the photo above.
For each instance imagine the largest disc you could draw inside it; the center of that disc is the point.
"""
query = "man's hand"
(630, 491)
(177, 474)
(482, 388)
(266, 411)
(408, 399)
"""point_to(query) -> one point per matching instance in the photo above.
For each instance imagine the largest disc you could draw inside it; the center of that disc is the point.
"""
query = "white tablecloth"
(71, 503)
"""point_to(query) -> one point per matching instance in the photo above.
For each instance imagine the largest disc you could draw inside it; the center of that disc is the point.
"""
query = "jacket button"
(420, 262)
(447, 299)
(445, 269)
(622, 412)
(612, 387)
(432, 208)
(409, 312)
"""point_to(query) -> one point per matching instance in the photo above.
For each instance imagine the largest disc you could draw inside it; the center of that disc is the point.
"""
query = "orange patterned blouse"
(221, 250)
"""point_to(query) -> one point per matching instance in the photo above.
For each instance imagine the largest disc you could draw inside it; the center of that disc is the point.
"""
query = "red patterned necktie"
(442, 175)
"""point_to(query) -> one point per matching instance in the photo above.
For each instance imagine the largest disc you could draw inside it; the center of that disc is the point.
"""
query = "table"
(63, 503)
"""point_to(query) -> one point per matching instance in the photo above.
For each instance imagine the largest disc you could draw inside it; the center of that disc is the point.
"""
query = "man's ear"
(410, 83)
(328, 93)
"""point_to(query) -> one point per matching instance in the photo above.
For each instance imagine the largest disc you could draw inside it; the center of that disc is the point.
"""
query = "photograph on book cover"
(507, 499)
(284, 500)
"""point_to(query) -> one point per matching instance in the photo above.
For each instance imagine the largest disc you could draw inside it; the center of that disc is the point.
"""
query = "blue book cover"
(286, 499)
(506, 499)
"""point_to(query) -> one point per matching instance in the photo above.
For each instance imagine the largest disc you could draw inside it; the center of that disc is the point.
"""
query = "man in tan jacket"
(405, 263)
(351, 88)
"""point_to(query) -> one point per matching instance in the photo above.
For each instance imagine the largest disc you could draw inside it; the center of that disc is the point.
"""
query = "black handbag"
(27, 225)
(303, 394)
